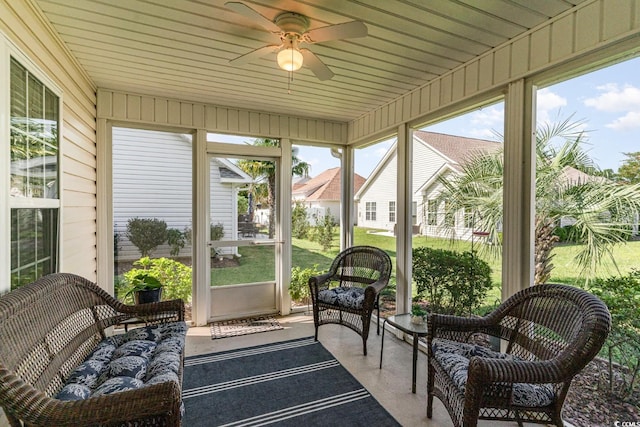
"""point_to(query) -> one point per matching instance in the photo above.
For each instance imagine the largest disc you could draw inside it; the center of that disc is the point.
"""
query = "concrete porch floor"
(391, 385)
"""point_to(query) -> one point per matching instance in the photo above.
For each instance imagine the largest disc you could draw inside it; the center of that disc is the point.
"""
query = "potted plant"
(417, 313)
(145, 288)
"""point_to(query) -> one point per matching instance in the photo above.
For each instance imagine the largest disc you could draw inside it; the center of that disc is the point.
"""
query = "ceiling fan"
(293, 30)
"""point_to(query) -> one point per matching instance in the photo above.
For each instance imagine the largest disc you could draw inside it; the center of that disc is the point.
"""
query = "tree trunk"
(544, 243)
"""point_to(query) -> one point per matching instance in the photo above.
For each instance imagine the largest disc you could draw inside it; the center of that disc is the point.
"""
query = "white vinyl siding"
(381, 185)
(152, 174)
(151, 179)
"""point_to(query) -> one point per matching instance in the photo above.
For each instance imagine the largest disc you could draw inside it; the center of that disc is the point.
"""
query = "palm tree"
(266, 170)
(602, 209)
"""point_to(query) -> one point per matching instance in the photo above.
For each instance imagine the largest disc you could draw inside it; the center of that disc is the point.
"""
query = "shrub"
(174, 276)
(217, 231)
(452, 282)
(299, 222)
(621, 294)
(299, 286)
(146, 234)
(323, 231)
(176, 239)
(243, 203)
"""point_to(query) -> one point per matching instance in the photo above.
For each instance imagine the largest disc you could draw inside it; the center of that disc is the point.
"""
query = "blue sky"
(607, 100)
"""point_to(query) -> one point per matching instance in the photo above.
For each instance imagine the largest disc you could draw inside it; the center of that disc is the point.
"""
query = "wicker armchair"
(350, 291)
(549, 333)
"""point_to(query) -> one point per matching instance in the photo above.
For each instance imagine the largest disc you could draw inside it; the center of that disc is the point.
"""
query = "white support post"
(104, 205)
(283, 247)
(347, 206)
(519, 189)
(404, 226)
(200, 235)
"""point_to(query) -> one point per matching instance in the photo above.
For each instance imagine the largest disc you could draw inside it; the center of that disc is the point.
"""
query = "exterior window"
(449, 217)
(432, 212)
(34, 177)
(468, 218)
(414, 213)
(370, 211)
(392, 211)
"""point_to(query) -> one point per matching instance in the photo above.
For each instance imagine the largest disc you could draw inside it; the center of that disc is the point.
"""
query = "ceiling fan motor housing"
(292, 23)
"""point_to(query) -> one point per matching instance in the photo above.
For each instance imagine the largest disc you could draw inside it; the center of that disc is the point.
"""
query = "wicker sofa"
(58, 362)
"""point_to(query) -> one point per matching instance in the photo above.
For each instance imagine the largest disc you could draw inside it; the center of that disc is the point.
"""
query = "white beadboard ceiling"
(181, 48)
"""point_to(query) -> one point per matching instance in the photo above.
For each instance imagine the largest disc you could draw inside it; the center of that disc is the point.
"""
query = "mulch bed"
(588, 402)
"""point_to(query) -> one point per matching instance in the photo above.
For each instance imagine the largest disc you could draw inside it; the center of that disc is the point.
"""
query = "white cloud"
(488, 116)
(489, 134)
(615, 99)
(629, 121)
(546, 102)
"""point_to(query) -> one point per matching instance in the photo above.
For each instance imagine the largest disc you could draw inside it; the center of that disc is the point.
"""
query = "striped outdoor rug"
(291, 383)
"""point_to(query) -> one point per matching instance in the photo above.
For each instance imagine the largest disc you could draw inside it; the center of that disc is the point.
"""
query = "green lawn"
(256, 263)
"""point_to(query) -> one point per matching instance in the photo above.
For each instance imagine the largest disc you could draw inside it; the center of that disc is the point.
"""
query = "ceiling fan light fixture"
(290, 59)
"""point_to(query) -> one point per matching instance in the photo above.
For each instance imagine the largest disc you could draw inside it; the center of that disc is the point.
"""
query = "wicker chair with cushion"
(548, 333)
(350, 291)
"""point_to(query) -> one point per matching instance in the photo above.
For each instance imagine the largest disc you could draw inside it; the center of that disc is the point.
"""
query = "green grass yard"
(256, 262)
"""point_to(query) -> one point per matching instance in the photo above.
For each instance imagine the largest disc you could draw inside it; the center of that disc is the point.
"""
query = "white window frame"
(432, 212)
(370, 211)
(7, 203)
(392, 211)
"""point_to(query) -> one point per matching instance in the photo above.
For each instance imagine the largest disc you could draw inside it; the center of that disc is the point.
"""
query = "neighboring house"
(434, 155)
(321, 194)
(152, 173)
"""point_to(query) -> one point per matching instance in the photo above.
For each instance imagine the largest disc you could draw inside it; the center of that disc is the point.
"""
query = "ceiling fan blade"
(348, 30)
(317, 67)
(254, 54)
(247, 12)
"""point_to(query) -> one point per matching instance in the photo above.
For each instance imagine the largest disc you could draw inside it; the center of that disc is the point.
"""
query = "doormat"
(237, 327)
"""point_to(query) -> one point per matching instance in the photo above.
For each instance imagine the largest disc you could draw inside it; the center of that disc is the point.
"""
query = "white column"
(347, 206)
(403, 218)
(283, 224)
(104, 205)
(519, 189)
(201, 270)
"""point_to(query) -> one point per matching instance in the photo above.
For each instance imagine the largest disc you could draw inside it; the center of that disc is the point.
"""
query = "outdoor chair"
(350, 291)
(548, 334)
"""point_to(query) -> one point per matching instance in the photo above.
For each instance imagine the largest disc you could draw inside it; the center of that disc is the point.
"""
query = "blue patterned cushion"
(74, 392)
(171, 344)
(162, 363)
(103, 352)
(346, 297)
(116, 385)
(126, 366)
(135, 348)
(454, 358)
(140, 357)
(87, 373)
